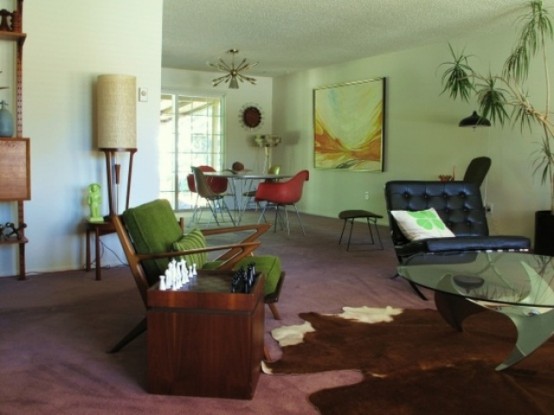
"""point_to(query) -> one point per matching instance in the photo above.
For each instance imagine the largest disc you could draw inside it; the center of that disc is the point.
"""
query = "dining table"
(241, 183)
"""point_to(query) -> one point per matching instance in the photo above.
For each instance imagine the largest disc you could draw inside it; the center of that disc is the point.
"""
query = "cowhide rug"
(414, 363)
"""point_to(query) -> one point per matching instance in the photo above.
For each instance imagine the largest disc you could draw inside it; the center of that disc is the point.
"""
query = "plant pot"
(544, 233)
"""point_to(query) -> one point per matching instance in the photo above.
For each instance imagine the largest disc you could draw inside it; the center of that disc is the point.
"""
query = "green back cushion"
(269, 265)
(193, 240)
(153, 228)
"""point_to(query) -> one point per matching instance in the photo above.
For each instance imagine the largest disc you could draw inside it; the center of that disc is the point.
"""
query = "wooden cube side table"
(204, 340)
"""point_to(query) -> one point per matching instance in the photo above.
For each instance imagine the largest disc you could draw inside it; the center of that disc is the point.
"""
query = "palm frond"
(543, 161)
(492, 100)
(537, 27)
(517, 64)
(457, 78)
(522, 115)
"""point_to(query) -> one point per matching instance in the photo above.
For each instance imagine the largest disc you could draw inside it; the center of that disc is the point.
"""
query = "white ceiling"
(286, 36)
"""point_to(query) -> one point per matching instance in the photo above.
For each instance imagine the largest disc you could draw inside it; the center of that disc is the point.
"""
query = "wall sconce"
(474, 120)
(117, 129)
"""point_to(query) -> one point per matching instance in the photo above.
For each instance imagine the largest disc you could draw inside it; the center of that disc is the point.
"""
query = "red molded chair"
(282, 194)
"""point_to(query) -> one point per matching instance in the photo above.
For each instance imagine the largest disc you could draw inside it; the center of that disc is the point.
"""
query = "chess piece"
(184, 271)
(168, 279)
(162, 283)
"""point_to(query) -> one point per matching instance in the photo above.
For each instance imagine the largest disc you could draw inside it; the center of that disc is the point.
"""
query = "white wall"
(423, 139)
(69, 43)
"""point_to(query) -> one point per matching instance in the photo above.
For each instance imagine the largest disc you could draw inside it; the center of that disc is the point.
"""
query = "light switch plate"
(143, 94)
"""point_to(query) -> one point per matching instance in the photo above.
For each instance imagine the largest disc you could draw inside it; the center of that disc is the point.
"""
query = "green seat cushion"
(269, 265)
(210, 265)
(152, 228)
(193, 240)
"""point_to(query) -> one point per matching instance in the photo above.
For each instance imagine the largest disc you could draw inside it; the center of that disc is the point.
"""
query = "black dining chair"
(477, 170)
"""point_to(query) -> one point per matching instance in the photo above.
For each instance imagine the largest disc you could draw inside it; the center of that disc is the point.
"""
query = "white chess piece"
(194, 272)
(183, 269)
(168, 280)
(162, 283)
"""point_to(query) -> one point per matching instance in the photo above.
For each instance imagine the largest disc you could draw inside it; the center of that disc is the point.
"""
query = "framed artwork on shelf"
(349, 126)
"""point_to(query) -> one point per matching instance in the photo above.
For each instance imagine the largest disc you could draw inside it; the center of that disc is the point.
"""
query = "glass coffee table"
(519, 285)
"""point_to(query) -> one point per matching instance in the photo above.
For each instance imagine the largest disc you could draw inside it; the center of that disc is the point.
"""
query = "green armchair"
(150, 236)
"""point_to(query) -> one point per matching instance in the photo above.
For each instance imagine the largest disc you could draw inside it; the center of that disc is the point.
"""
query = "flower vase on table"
(267, 141)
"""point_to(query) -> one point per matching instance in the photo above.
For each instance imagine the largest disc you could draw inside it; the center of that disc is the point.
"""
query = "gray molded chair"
(214, 199)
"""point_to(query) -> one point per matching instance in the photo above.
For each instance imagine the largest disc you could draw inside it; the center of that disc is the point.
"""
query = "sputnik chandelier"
(234, 72)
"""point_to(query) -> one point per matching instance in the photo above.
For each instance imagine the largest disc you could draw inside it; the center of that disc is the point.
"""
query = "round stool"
(371, 218)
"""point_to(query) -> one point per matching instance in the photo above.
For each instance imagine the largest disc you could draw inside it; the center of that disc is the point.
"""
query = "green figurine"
(94, 202)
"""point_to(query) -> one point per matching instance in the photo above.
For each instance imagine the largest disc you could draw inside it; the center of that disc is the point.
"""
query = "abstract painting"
(349, 128)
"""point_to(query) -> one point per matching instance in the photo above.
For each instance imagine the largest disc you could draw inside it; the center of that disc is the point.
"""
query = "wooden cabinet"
(15, 186)
(204, 340)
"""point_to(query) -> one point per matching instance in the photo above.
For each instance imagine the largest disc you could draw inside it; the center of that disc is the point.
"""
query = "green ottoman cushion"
(269, 265)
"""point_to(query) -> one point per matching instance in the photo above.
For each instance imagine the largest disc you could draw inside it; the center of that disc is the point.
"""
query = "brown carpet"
(55, 329)
(417, 364)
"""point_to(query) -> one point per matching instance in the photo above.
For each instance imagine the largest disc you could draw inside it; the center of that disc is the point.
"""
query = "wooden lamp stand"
(113, 170)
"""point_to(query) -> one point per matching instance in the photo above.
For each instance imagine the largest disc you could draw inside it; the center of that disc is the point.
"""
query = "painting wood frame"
(349, 126)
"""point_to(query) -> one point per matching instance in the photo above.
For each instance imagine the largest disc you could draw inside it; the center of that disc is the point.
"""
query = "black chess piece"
(251, 274)
(238, 281)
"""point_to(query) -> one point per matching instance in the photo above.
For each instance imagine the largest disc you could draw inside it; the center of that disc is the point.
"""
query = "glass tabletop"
(498, 277)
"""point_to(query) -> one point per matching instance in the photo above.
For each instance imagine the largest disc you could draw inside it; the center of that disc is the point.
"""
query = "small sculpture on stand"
(6, 121)
(94, 202)
(10, 231)
(267, 141)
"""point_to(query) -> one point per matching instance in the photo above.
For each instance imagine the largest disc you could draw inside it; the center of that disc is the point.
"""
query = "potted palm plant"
(502, 97)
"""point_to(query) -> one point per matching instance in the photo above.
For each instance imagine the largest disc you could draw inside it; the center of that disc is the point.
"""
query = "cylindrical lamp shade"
(117, 111)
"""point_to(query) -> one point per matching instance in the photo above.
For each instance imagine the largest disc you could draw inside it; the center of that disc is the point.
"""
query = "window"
(191, 134)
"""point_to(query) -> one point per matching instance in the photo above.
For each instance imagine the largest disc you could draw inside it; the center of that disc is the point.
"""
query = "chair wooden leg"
(418, 291)
(129, 337)
(267, 356)
(274, 311)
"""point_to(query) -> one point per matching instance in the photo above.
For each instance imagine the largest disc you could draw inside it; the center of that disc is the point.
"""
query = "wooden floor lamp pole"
(113, 169)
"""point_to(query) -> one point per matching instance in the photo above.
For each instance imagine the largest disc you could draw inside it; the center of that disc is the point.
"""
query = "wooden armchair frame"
(232, 254)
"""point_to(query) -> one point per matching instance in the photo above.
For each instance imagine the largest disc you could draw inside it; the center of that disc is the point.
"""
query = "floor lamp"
(117, 129)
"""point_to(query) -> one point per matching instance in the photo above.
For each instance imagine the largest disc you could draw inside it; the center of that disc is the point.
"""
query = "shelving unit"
(15, 184)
